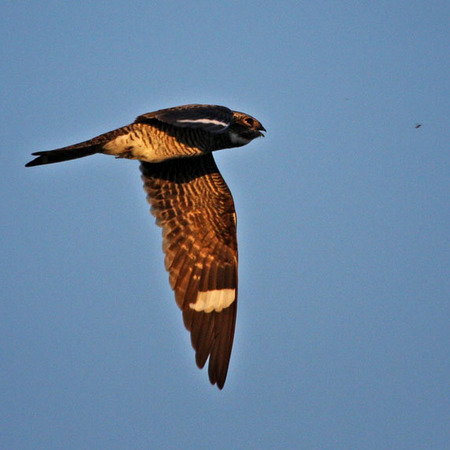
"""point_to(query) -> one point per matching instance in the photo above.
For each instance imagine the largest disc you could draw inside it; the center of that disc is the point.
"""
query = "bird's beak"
(261, 128)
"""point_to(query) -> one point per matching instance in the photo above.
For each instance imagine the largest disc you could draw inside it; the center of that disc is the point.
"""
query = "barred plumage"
(194, 207)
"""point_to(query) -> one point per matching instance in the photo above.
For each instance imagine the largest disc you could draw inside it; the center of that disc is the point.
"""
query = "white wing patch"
(215, 300)
(205, 121)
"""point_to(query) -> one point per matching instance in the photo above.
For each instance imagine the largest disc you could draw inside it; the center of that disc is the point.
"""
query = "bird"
(194, 207)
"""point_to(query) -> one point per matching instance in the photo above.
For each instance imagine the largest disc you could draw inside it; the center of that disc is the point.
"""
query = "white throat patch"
(237, 139)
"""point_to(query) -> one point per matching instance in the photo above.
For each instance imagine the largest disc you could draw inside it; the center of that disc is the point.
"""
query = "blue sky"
(343, 226)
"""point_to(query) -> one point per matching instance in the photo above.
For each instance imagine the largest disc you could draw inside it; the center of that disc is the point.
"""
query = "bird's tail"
(86, 148)
(65, 154)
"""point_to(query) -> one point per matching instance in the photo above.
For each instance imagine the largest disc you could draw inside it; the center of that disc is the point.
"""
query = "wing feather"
(211, 118)
(195, 209)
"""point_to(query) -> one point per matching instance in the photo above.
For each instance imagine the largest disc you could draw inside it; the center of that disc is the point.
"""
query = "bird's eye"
(249, 121)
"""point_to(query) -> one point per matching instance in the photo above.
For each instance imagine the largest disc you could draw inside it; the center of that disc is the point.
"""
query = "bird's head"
(244, 128)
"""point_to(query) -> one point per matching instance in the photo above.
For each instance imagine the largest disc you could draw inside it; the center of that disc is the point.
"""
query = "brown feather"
(195, 209)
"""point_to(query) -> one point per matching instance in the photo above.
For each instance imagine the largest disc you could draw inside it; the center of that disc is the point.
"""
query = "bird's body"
(194, 207)
(165, 134)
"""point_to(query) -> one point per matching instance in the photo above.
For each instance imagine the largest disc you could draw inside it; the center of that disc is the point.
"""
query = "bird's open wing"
(194, 207)
(211, 118)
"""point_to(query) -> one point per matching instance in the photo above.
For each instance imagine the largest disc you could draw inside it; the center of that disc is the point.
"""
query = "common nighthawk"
(194, 207)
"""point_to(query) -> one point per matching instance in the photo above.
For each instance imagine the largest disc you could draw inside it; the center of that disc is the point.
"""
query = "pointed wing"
(195, 209)
(212, 118)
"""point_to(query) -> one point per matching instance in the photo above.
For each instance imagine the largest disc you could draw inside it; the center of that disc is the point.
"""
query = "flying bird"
(194, 207)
